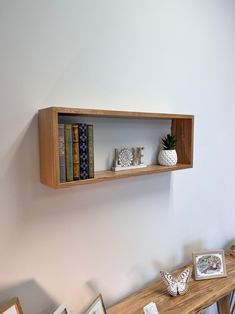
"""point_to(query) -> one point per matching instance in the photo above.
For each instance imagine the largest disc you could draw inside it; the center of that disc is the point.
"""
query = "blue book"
(83, 150)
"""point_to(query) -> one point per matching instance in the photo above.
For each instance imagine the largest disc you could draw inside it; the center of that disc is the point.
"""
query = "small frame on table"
(62, 309)
(11, 307)
(209, 264)
(97, 307)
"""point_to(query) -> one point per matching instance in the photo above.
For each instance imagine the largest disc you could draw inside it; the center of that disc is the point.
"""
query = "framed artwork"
(11, 307)
(209, 264)
(97, 307)
(62, 309)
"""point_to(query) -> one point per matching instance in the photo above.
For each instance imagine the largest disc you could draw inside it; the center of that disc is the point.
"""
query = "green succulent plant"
(169, 142)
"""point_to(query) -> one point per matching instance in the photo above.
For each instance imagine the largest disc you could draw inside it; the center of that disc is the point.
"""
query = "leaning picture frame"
(209, 264)
(97, 306)
(62, 309)
(11, 307)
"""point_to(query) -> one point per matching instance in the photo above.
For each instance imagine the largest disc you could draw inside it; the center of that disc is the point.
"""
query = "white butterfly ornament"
(179, 285)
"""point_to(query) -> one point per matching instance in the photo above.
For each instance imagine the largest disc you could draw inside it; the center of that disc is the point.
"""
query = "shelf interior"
(119, 133)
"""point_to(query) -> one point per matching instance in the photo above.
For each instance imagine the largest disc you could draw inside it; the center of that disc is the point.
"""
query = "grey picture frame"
(62, 309)
(97, 306)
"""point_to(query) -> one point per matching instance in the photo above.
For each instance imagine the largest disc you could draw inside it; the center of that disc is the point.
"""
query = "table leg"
(223, 305)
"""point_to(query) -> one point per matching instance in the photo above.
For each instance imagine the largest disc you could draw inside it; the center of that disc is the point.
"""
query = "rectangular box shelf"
(181, 125)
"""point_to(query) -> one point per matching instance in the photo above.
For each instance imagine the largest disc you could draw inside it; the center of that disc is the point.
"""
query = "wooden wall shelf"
(181, 125)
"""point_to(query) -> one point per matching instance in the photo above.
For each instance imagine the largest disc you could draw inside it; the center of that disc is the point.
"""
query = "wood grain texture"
(183, 129)
(118, 114)
(108, 175)
(200, 296)
(182, 126)
(48, 146)
(223, 305)
(12, 303)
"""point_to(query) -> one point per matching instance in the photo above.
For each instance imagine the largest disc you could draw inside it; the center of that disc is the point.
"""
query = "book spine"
(83, 151)
(76, 158)
(68, 152)
(61, 152)
(90, 135)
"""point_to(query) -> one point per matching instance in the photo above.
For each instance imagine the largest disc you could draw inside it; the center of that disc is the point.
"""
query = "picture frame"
(62, 309)
(11, 307)
(209, 264)
(97, 306)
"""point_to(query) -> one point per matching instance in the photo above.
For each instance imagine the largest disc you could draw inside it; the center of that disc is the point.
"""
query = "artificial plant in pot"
(167, 155)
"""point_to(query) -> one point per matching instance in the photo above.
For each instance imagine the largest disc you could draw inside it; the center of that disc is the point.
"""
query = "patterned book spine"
(76, 158)
(83, 151)
(68, 152)
(90, 135)
(61, 153)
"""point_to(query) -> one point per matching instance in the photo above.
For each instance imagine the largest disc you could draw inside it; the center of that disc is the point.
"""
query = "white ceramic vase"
(167, 157)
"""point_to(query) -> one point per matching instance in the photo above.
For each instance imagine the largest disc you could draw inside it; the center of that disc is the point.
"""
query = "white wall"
(161, 56)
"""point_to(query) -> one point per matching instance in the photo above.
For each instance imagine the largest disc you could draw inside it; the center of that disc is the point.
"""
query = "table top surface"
(201, 294)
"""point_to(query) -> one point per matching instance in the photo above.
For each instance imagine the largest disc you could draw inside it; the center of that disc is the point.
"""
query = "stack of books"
(76, 151)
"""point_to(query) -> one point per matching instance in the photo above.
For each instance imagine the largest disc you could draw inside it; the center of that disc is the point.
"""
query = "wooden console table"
(201, 295)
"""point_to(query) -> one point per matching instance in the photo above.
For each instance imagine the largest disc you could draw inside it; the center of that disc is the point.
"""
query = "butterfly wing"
(182, 281)
(170, 281)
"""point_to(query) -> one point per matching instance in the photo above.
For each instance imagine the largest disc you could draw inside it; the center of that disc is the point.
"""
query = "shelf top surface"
(116, 114)
(109, 175)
